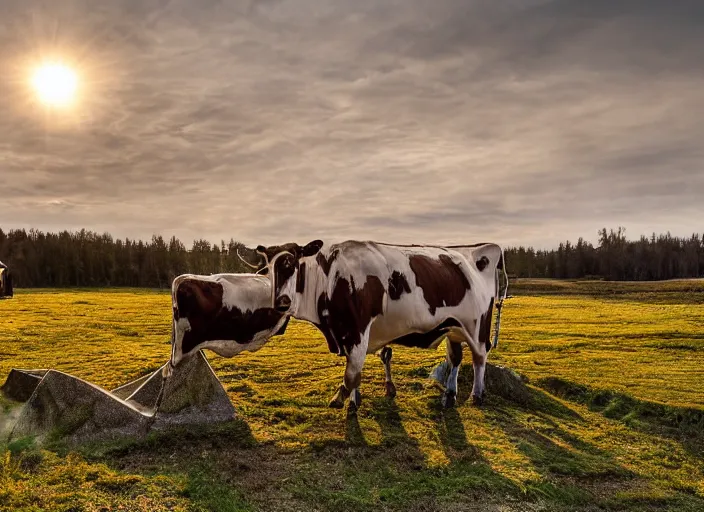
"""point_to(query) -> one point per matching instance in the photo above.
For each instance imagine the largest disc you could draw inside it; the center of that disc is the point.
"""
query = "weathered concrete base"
(20, 384)
(498, 380)
(66, 407)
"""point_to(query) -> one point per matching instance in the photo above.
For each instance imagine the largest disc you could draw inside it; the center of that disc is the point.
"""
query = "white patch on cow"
(229, 348)
(305, 305)
(180, 327)
(247, 292)
(451, 383)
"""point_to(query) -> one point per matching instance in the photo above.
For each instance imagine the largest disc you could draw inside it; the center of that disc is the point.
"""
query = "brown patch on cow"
(203, 296)
(442, 280)
(326, 262)
(323, 325)
(398, 285)
(349, 312)
(301, 279)
(485, 326)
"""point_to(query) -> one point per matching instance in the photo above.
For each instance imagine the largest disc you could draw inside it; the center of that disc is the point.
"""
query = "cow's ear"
(312, 247)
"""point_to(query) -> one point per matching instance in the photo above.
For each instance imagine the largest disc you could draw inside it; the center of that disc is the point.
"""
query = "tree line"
(88, 259)
(614, 258)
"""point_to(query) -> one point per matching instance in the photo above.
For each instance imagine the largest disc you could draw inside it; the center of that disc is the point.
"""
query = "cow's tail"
(500, 297)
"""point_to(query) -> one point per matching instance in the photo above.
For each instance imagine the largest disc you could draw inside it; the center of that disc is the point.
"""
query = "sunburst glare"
(55, 84)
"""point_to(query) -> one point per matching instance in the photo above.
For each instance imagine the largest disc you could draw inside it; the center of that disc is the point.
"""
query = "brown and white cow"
(226, 313)
(365, 295)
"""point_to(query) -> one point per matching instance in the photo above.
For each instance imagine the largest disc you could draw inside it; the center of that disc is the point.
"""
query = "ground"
(616, 374)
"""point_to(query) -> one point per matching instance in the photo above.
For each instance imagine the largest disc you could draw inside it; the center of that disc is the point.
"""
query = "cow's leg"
(385, 356)
(479, 353)
(454, 359)
(353, 374)
(479, 363)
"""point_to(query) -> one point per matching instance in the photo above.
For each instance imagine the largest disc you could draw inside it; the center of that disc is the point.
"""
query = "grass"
(616, 378)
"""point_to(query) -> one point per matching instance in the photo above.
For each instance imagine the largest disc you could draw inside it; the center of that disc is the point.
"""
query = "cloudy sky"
(516, 121)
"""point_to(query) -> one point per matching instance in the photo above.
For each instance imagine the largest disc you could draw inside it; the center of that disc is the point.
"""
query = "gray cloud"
(526, 121)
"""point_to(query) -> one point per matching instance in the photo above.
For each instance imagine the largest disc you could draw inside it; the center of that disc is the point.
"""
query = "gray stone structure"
(65, 407)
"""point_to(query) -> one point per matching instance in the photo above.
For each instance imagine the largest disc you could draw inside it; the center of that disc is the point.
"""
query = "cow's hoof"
(448, 399)
(390, 390)
(338, 401)
(477, 400)
(355, 400)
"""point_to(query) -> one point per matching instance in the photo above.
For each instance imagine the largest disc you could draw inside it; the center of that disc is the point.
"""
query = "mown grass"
(616, 380)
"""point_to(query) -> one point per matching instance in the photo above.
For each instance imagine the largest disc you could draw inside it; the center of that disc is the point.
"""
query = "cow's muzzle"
(283, 304)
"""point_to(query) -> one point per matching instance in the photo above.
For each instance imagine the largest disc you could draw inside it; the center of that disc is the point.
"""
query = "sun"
(55, 84)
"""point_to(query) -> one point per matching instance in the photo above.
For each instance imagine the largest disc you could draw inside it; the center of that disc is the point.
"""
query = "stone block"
(20, 384)
(65, 407)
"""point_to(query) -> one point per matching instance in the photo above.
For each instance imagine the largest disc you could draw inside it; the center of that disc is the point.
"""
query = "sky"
(405, 121)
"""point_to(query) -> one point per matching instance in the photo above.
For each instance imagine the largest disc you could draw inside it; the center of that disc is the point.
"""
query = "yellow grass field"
(617, 420)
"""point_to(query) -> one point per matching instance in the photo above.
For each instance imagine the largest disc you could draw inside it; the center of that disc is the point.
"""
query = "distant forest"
(88, 259)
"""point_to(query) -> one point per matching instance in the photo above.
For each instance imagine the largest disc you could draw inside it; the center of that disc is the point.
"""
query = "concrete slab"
(194, 395)
(126, 390)
(66, 407)
(20, 384)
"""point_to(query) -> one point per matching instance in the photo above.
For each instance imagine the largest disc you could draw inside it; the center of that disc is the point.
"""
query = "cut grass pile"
(617, 389)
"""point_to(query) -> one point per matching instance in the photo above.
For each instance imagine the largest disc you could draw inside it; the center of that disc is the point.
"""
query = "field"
(616, 373)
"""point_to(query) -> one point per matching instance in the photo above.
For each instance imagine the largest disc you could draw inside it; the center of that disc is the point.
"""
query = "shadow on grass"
(530, 399)
(452, 433)
(353, 431)
(187, 442)
(684, 424)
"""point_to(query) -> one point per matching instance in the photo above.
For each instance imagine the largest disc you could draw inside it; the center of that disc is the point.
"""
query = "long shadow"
(159, 447)
(454, 437)
(557, 453)
(387, 414)
(353, 431)
(530, 399)
(394, 436)
(683, 424)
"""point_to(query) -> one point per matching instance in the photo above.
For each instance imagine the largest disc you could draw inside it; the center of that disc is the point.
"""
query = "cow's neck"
(306, 303)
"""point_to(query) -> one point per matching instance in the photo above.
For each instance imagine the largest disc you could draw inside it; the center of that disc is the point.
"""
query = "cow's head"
(284, 263)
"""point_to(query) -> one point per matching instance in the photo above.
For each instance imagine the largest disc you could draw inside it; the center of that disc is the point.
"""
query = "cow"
(366, 295)
(226, 313)
(6, 289)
